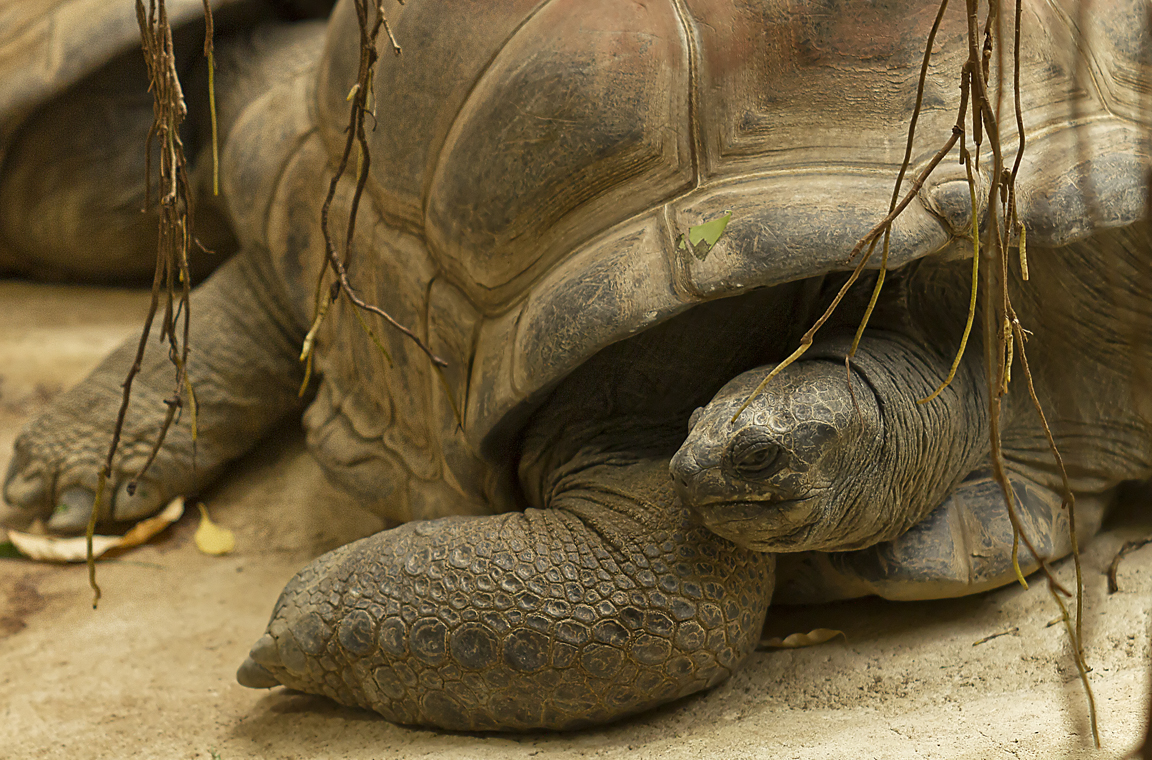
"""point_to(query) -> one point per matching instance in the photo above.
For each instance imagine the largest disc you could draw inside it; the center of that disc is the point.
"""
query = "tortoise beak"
(763, 521)
(692, 480)
(706, 489)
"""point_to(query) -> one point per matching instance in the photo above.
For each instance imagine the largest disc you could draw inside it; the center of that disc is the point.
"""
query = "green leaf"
(8, 550)
(702, 237)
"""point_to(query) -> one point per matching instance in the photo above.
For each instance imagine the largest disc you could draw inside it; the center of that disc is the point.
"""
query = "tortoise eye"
(760, 461)
(755, 455)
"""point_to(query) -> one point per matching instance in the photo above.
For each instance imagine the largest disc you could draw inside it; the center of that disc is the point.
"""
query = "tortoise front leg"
(245, 374)
(603, 605)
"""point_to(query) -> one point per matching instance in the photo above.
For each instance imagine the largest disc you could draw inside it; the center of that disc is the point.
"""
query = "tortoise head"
(785, 473)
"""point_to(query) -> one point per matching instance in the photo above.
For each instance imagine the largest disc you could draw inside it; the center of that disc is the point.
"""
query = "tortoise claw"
(73, 513)
(254, 675)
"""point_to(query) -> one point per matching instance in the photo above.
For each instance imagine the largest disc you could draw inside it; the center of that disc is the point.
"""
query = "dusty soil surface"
(150, 673)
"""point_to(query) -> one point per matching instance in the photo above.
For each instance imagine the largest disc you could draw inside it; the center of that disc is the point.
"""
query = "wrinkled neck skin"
(631, 402)
(1087, 306)
(813, 464)
(612, 475)
(921, 452)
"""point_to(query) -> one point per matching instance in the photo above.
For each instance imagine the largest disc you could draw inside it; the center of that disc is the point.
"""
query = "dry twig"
(1114, 566)
(175, 238)
(359, 96)
(1004, 336)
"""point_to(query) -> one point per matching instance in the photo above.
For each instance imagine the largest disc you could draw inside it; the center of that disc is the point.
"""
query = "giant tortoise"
(570, 553)
(75, 110)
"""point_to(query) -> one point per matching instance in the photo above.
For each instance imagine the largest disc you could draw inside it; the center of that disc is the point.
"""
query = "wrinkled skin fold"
(837, 455)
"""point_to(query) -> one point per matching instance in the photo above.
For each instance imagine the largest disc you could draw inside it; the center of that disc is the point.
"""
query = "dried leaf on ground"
(800, 640)
(75, 548)
(210, 538)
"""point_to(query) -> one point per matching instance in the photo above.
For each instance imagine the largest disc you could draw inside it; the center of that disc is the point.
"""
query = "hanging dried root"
(1000, 313)
(209, 55)
(1004, 334)
(972, 299)
(928, 46)
(175, 238)
(883, 227)
(362, 99)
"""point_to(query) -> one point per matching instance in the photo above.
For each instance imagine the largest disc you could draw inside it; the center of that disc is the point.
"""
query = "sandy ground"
(150, 673)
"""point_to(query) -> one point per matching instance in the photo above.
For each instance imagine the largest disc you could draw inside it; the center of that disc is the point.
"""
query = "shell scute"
(824, 82)
(446, 46)
(606, 293)
(578, 124)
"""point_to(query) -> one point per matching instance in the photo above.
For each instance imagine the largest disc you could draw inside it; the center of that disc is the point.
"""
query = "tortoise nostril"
(683, 466)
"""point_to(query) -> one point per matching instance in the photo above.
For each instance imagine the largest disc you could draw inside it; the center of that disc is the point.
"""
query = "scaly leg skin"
(243, 369)
(600, 606)
(963, 547)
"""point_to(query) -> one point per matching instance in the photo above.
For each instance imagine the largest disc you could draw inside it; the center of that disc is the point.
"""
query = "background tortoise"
(74, 113)
(534, 165)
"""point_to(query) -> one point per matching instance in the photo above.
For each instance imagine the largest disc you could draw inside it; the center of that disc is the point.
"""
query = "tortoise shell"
(47, 46)
(550, 154)
(534, 164)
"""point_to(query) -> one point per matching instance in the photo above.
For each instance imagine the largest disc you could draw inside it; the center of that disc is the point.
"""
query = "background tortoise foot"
(54, 469)
(246, 377)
